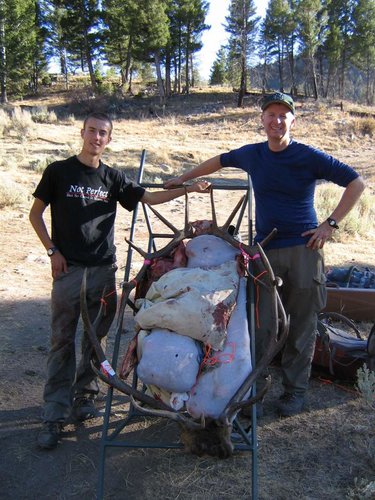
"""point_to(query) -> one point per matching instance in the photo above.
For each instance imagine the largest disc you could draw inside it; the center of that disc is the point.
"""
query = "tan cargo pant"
(303, 294)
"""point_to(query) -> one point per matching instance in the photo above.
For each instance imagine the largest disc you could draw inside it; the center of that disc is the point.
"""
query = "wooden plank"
(355, 303)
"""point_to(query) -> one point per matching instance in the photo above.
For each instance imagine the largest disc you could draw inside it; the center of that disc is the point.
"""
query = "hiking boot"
(50, 434)
(84, 409)
(290, 404)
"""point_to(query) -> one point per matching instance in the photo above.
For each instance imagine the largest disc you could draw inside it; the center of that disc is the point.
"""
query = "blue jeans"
(64, 379)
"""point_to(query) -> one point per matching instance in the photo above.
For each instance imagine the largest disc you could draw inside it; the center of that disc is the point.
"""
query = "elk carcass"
(193, 345)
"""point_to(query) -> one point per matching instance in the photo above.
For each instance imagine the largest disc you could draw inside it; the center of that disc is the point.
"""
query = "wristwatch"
(51, 251)
(332, 223)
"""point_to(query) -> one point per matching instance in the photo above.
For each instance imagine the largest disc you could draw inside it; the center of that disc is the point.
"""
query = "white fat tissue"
(169, 361)
(193, 304)
(215, 387)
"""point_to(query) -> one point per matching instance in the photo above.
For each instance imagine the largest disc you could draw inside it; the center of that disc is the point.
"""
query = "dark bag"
(351, 277)
(340, 348)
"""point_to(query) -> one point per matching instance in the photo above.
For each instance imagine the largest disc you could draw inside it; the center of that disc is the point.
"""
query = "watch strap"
(332, 223)
(51, 251)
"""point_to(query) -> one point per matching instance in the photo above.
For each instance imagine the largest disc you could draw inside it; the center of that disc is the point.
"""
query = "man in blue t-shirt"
(83, 194)
(284, 174)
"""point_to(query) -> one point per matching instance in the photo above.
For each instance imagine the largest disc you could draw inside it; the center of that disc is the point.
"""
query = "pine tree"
(55, 15)
(17, 45)
(120, 36)
(187, 23)
(311, 23)
(81, 24)
(337, 48)
(364, 43)
(218, 72)
(40, 52)
(241, 23)
(277, 30)
(3, 60)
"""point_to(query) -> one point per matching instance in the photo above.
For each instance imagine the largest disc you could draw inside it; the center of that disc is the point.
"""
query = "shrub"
(22, 124)
(366, 385)
(11, 194)
(40, 164)
(366, 126)
(42, 115)
(4, 122)
(360, 219)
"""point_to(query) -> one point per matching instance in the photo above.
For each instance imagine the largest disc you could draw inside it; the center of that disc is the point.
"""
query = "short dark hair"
(98, 116)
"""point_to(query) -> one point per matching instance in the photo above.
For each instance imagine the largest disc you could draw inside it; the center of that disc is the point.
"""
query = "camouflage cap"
(278, 98)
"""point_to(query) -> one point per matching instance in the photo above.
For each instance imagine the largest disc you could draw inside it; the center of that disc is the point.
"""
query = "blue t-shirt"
(284, 185)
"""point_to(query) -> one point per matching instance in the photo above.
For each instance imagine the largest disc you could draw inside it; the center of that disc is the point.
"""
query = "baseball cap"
(278, 98)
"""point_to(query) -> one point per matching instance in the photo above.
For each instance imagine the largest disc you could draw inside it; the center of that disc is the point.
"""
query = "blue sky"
(215, 37)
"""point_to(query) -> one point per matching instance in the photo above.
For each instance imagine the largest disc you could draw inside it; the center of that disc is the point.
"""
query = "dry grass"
(326, 453)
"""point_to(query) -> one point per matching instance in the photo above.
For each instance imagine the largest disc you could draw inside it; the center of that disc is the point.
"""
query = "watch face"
(332, 223)
(50, 251)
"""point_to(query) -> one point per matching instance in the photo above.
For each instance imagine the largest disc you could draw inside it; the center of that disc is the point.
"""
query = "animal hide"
(215, 387)
(181, 357)
(194, 302)
(223, 372)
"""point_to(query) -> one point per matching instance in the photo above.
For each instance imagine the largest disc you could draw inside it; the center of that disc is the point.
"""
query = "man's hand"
(319, 236)
(199, 187)
(173, 183)
(58, 264)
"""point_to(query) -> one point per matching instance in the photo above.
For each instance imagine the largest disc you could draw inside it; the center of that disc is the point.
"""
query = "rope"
(220, 357)
(342, 387)
(104, 302)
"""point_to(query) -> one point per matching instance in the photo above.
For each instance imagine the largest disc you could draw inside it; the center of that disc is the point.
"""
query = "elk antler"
(222, 232)
(179, 235)
(173, 415)
(109, 376)
(276, 343)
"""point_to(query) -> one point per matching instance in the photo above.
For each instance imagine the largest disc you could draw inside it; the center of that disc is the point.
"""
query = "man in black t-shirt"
(83, 194)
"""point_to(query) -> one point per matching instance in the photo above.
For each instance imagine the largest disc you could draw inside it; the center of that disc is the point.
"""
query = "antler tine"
(139, 250)
(173, 415)
(127, 287)
(222, 232)
(110, 377)
(242, 201)
(268, 238)
(258, 396)
(213, 210)
(179, 235)
(113, 380)
(276, 341)
(163, 219)
(91, 330)
(187, 223)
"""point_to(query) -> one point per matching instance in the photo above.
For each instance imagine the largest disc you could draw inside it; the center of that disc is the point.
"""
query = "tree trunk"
(159, 78)
(313, 77)
(128, 58)
(242, 91)
(187, 58)
(168, 86)
(3, 70)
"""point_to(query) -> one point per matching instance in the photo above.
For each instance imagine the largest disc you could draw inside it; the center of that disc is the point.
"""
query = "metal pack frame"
(111, 437)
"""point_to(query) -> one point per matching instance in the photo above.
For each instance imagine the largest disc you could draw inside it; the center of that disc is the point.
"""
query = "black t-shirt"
(83, 206)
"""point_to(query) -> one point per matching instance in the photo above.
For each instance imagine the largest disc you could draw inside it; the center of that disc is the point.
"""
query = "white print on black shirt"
(87, 193)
